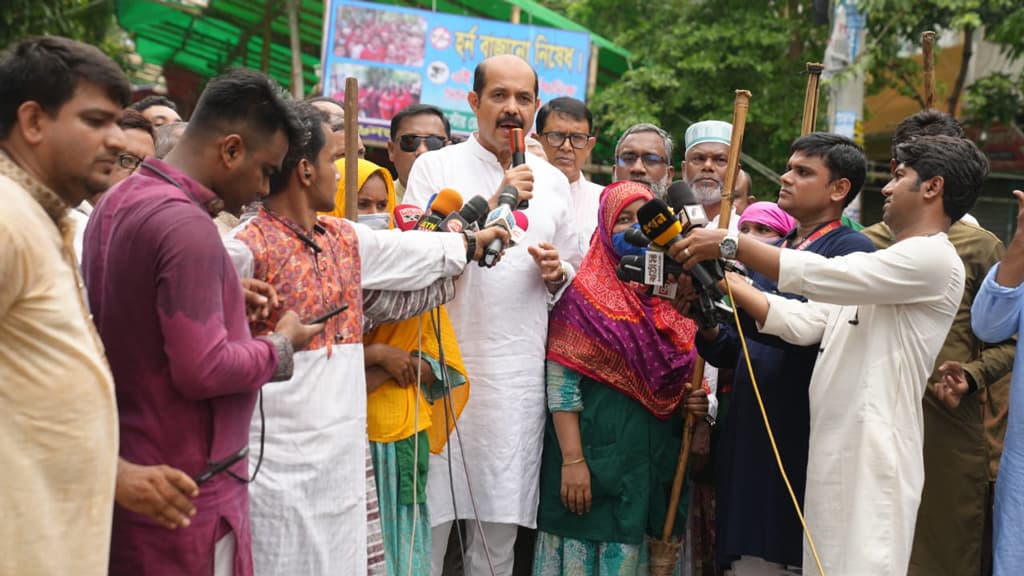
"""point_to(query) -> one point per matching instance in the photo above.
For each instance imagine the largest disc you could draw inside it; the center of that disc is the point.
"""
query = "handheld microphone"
(500, 216)
(406, 216)
(517, 142)
(660, 225)
(475, 211)
(633, 268)
(446, 202)
(519, 232)
(636, 237)
(684, 202)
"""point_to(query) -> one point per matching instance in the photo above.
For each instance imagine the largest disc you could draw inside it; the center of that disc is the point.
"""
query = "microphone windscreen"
(680, 195)
(475, 209)
(406, 216)
(658, 222)
(521, 220)
(446, 202)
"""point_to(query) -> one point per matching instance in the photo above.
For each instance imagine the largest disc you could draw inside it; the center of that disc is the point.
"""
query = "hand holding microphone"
(500, 217)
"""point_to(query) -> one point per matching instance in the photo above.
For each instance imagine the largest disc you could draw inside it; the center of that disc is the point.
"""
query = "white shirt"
(887, 316)
(586, 199)
(500, 317)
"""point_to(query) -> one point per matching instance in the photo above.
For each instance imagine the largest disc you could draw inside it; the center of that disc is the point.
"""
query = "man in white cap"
(704, 163)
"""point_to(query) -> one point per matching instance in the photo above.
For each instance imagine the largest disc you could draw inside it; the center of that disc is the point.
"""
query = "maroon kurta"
(171, 312)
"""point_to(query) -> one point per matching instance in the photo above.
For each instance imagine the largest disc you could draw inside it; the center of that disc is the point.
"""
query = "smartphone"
(221, 465)
(330, 314)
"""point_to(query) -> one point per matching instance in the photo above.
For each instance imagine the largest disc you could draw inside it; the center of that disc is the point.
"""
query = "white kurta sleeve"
(995, 314)
(413, 260)
(241, 256)
(915, 270)
(796, 322)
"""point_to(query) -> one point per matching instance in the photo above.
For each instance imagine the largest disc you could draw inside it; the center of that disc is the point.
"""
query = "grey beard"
(660, 189)
(707, 194)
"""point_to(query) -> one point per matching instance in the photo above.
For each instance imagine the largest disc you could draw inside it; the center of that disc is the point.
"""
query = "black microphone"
(684, 202)
(660, 225)
(500, 216)
(636, 237)
(632, 269)
(475, 212)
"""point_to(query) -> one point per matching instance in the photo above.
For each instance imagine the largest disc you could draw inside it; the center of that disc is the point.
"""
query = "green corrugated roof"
(230, 33)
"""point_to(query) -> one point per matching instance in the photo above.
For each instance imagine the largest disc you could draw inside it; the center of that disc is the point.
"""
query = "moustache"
(510, 120)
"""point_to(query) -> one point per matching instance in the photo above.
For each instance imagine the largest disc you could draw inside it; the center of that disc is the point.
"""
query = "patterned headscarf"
(613, 332)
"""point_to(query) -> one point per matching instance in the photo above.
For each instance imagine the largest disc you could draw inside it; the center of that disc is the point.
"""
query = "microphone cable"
(768, 428)
(449, 409)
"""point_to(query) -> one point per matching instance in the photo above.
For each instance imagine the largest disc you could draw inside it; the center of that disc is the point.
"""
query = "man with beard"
(704, 163)
(564, 128)
(644, 154)
(59, 139)
(497, 447)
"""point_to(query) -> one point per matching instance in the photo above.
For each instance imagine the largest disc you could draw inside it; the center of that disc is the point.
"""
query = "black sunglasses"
(411, 142)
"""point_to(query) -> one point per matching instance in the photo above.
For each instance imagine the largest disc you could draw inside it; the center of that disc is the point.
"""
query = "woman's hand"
(576, 494)
(395, 361)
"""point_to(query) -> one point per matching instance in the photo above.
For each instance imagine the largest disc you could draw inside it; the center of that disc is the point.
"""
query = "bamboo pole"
(296, 46)
(664, 552)
(810, 119)
(351, 149)
(928, 58)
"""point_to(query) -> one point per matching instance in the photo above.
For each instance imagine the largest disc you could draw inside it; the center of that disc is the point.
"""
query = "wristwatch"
(729, 245)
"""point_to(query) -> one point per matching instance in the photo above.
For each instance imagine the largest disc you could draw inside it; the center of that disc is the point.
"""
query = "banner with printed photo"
(403, 56)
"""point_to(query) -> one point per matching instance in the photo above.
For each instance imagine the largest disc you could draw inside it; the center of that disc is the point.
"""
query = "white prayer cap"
(708, 131)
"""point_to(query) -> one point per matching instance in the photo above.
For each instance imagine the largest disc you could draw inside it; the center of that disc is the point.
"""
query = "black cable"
(263, 436)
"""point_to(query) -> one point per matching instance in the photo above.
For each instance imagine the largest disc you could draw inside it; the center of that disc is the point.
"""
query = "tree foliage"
(690, 57)
(894, 26)
(89, 21)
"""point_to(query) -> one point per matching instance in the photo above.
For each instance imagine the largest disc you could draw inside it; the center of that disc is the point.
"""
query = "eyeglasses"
(577, 140)
(411, 142)
(128, 161)
(627, 159)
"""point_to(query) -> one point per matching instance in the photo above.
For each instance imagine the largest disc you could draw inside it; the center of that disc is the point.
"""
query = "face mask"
(624, 248)
(375, 221)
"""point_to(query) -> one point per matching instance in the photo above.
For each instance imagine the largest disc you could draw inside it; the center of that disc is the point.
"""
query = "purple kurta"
(171, 312)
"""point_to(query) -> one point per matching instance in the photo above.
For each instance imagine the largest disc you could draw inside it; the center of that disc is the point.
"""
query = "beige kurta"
(58, 418)
(886, 317)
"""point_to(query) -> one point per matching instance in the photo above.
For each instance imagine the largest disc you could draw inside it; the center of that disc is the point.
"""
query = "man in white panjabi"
(880, 319)
(564, 127)
(500, 316)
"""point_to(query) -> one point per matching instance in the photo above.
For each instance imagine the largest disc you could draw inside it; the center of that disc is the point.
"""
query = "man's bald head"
(502, 61)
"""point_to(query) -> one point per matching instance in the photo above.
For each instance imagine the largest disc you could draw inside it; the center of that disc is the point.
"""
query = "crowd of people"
(210, 368)
(380, 36)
